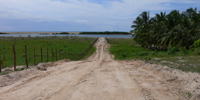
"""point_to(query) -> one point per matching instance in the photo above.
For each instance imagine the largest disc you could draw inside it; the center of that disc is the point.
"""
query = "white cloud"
(82, 11)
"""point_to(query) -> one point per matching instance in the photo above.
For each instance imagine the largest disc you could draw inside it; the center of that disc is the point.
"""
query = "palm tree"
(141, 25)
(172, 20)
(158, 28)
(190, 28)
(163, 31)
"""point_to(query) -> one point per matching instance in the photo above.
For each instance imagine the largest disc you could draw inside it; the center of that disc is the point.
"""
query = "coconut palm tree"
(158, 28)
(141, 25)
(164, 31)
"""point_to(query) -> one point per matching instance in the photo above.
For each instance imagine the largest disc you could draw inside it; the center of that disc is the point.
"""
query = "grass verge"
(72, 47)
(127, 49)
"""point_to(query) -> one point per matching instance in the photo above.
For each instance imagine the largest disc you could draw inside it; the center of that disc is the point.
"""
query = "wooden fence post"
(52, 53)
(65, 55)
(34, 55)
(41, 54)
(26, 57)
(14, 57)
(60, 54)
(56, 54)
(47, 54)
(0, 61)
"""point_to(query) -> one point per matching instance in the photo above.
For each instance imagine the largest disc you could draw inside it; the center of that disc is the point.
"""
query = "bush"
(183, 50)
(197, 43)
(171, 51)
(197, 51)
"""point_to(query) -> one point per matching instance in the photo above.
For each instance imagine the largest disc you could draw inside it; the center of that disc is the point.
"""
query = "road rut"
(100, 77)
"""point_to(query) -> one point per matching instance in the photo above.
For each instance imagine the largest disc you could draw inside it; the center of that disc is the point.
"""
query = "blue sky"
(81, 15)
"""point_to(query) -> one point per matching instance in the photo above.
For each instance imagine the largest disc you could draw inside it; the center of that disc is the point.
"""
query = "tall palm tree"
(141, 25)
(158, 28)
(172, 20)
(172, 30)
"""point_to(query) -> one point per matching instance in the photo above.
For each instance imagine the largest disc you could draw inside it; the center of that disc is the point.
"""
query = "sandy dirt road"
(100, 77)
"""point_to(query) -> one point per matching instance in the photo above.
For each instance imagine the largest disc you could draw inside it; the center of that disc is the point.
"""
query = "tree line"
(165, 31)
(106, 32)
(2, 33)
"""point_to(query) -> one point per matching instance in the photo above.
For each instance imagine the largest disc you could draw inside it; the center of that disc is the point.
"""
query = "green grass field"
(71, 46)
(127, 49)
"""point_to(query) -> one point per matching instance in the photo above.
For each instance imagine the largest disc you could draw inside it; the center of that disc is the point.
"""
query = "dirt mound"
(16, 76)
(157, 78)
(13, 77)
(43, 66)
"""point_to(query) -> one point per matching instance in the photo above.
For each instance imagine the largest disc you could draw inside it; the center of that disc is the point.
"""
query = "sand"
(100, 77)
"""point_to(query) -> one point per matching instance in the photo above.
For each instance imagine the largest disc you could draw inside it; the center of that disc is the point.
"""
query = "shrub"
(197, 51)
(183, 50)
(197, 43)
(171, 51)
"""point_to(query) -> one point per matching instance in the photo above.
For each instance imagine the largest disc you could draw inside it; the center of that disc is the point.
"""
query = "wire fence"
(108, 41)
(33, 55)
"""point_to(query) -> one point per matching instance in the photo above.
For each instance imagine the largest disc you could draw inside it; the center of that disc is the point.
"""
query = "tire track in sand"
(99, 77)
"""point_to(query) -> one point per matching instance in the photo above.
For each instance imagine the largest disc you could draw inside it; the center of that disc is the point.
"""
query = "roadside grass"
(4, 73)
(71, 46)
(127, 49)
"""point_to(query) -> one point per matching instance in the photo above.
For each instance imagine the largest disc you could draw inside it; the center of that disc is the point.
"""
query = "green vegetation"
(165, 31)
(72, 47)
(174, 37)
(183, 59)
(106, 32)
(197, 44)
(61, 33)
(4, 73)
(64, 33)
(2, 33)
(189, 94)
(23, 68)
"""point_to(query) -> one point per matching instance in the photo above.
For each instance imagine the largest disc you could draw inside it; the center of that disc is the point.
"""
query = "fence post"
(47, 55)
(52, 53)
(14, 57)
(26, 57)
(56, 54)
(0, 61)
(60, 54)
(88, 49)
(41, 54)
(65, 55)
(34, 55)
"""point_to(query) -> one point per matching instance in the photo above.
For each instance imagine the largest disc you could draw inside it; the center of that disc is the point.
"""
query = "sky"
(81, 15)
